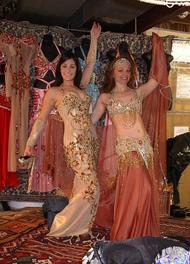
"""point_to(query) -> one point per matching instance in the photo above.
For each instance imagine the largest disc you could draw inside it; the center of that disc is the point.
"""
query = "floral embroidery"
(80, 155)
(82, 147)
(78, 109)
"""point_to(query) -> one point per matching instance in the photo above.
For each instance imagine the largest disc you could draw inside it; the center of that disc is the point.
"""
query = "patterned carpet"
(14, 224)
(23, 238)
(171, 226)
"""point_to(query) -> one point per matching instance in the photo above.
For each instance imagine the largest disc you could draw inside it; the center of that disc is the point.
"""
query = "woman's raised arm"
(91, 57)
(99, 108)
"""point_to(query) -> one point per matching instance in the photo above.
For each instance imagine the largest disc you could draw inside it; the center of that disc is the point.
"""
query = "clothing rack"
(48, 29)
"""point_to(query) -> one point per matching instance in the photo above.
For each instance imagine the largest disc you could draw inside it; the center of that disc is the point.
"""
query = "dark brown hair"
(67, 55)
(109, 82)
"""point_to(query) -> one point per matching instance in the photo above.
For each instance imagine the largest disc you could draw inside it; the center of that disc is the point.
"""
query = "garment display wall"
(26, 39)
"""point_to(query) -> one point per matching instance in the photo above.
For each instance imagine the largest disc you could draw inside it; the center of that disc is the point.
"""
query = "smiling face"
(68, 70)
(122, 71)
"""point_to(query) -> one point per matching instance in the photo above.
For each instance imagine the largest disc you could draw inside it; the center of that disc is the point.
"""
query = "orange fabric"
(155, 107)
(136, 211)
(106, 173)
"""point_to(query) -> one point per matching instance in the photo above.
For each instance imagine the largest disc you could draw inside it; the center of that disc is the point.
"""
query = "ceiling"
(127, 16)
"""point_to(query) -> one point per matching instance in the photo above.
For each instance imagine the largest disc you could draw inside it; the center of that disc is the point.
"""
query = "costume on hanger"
(92, 88)
(19, 54)
(6, 178)
(45, 62)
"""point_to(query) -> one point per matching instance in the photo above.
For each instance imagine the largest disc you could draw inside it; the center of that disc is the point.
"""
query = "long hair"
(109, 82)
(67, 55)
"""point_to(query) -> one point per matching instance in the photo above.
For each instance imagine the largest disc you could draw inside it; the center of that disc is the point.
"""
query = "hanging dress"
(7, 179)
(45, 73)
(19, 54)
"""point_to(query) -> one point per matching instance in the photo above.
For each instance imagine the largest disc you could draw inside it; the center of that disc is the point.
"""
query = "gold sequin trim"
(125, 148)
(116, 105)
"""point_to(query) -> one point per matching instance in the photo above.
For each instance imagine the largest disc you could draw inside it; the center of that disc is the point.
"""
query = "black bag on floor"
(52, 206)
(139, 250)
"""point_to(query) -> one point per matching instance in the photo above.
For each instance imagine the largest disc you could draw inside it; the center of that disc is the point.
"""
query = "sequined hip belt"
(143, 146)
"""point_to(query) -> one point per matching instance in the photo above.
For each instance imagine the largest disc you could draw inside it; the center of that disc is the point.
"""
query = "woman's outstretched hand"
(95, 30)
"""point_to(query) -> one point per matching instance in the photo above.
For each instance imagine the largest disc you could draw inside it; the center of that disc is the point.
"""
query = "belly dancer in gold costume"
(136, 201)
(79, 140)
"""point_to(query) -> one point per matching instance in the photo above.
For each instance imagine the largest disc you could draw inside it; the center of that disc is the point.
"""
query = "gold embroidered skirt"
(77, 217)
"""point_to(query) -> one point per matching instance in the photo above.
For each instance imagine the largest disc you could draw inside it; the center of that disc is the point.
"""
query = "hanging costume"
(6, 178)
(134, 202)
(40, 180)
(19, 53)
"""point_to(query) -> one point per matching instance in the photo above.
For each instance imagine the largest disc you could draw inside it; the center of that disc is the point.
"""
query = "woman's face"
(68, 70)
(122, 72)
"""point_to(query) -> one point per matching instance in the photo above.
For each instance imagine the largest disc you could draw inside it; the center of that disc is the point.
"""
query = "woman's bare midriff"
(122, 131)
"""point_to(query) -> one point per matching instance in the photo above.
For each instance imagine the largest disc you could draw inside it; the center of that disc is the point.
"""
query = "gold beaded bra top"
(128, 110)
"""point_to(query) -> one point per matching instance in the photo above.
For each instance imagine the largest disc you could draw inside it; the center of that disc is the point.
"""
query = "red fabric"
(159, 69)
(136, 211)
(106, 173)
(7, 179)
(5, 102)
(155, 107)
(54, 164)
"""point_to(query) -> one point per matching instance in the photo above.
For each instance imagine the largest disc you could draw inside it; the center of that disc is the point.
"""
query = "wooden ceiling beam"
(157, 15)
(151, 18)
